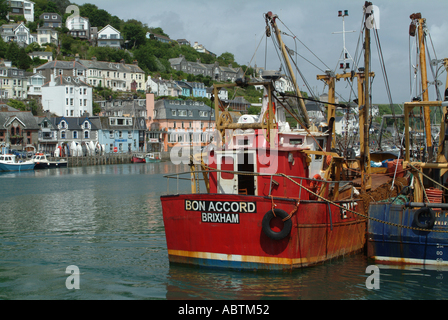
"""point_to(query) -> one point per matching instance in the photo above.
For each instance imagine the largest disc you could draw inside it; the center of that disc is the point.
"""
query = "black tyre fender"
(287, 225)
(429, 223)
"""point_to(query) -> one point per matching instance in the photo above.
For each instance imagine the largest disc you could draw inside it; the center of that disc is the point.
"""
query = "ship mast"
(364, 109)
(424, 78)
(272, 17)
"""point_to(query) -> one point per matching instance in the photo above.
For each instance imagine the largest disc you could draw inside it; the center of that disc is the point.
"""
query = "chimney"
(4, 108)
(135, 62)
(77, 57)
(122, 61)
(93, 58)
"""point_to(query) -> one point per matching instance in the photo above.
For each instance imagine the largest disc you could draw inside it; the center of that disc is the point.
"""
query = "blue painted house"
(187, 89)
(199, 89)
(122, 134)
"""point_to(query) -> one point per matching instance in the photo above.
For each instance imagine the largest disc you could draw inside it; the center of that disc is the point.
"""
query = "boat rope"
(365, 216)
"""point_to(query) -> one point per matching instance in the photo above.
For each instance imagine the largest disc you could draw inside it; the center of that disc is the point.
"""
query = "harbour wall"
(99, 160)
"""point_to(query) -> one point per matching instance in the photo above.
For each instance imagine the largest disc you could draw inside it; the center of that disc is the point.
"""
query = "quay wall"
(103, 160)
(99, 160)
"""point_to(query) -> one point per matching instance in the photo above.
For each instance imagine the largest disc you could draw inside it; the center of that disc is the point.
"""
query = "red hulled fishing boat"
(275, 197)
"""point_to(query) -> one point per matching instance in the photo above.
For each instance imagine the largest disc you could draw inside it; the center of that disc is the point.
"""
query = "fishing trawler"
(412, 228)
(275, 198)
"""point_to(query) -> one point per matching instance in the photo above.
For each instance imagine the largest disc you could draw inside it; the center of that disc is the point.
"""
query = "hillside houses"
(215, 71)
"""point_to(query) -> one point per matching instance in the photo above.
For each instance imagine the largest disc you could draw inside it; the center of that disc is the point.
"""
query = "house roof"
(61, 80)
(58, 64)
(25, 117)
(165, 107)
(109, 26)
(111, 66)
(75, 123)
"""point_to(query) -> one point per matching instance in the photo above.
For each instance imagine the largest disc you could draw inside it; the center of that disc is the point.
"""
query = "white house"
(16, 32)
(43, 55)
(67, 96)
(47, 35)
(79, 27)
(35, 83)
(346, 124)
(22, 8)
(223, 94)
(157, 86)
(109, 37)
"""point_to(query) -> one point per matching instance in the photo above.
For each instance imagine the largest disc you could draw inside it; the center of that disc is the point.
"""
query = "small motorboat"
(136, 158)
(153, 157)
(8, 162)
(41, 161)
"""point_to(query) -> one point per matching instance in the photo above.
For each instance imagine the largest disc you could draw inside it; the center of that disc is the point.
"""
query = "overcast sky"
(237, 26)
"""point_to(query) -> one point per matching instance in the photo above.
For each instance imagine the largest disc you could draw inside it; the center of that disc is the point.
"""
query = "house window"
(173, 112)
(62, 134)
(86, 134)
(75, 134)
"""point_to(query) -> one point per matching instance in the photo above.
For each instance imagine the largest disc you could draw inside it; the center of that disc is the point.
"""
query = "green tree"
(12, 53)
(4, 9)
(19, 105)
(23, 60)
(134, 33)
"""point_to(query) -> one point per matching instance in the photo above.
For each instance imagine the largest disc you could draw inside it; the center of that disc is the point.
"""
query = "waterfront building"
(122, 108)
(47, 136)
(81, 130)
(18, 129)
(178, 123)
(122, 134)
(67, 96)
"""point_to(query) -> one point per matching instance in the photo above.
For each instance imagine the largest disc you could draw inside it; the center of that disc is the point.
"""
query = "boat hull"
(389, 244)
(138, 160)
(8, 167)
(51, 165)
(222, 230)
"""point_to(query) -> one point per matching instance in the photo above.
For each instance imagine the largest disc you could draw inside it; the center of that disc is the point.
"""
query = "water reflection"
(108, 221)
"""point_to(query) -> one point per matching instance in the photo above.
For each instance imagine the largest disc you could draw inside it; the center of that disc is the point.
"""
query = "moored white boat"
(41, 162)
(8, 162)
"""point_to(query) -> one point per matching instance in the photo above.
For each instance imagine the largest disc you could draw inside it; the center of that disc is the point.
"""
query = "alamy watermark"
(373, 281)
(73, 280)
(191, 144)
(373, 17)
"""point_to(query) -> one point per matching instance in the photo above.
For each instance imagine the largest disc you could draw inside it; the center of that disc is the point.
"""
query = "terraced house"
(116, 76)
(13, 82)
(215, 71)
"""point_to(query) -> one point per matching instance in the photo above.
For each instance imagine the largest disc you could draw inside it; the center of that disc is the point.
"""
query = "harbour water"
(107, 221)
